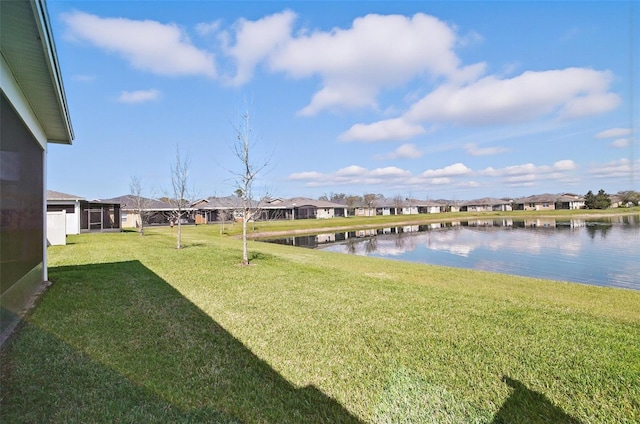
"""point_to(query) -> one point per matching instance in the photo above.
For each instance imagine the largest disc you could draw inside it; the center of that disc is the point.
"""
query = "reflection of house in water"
(572, 223)
(410, 228)
(540, 223)
(507, 222)
(363, 233)
(325, 238)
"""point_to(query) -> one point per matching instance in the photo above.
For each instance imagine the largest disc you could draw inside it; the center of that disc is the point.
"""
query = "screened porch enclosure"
(99, 217)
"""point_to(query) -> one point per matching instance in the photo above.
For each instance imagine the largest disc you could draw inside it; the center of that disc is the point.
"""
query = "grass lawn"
(133, 330)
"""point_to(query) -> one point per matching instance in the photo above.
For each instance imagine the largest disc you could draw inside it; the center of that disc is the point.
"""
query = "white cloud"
(590, 104)
(473, 150)
(452, 177)
(571, 92)
(621, 142)
(390, 171)
(390, 129)
(530, 169)
(448, 171)
(565, 165)
(151, 46)
(376, 52)
(306, 175)
(471, 38)
(616, 169)
(352, 171)
(512, 170)
(613, 132)
(528, 174)
(439, 181)
(256, 40)
(406, 151)
(353, 175)
(206, 28)
(139, 96)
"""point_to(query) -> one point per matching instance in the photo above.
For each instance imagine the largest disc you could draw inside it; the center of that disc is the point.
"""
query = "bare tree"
(371, 200)
(398, 202)
(180, 196)
(140, 205)
(246, 178)
(352, 201)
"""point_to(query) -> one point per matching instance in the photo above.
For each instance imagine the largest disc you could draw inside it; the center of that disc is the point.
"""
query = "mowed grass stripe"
(164, 335)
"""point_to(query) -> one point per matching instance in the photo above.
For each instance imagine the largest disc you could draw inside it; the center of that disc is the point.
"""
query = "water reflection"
(603, 251)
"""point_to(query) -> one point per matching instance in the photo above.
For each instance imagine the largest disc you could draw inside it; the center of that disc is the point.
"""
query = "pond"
(602, 251)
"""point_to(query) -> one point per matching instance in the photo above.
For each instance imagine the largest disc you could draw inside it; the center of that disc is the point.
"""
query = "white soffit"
(27, 47)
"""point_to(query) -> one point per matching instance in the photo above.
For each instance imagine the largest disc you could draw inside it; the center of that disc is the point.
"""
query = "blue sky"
(455, 100)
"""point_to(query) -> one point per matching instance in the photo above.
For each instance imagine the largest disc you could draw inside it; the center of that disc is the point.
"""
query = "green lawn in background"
(133, 330)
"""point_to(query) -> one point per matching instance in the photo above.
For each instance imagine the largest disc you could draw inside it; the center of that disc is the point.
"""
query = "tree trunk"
(179, 234)
(245, 254)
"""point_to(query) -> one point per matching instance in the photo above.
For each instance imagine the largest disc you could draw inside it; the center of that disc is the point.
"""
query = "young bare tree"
(180, 195)
(246, 178)
(140, 204)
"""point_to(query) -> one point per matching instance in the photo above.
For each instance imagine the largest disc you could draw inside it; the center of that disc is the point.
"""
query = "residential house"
(217, 209)
(305, 208)
(410, 207)
(387, 207)
(154, 212)
(70, 205)
(538, 202)
(486, 204)
(430, 206)
(569, 201)
(82, 215)
(364, 209)
(33, 114)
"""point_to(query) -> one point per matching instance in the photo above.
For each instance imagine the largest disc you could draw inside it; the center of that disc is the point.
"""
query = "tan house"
(539, 202)
(155, 212)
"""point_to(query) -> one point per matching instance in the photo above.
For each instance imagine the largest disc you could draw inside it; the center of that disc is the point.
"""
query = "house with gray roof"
(83, 215)
(220, 209)
(538, 202)
(69, 205)
(133, 211)
(486, 204)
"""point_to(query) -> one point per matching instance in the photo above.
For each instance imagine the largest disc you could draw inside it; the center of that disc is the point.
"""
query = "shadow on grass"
(116, 343)
(528, 406)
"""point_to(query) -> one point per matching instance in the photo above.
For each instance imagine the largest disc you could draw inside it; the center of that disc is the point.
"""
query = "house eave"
(26, 42)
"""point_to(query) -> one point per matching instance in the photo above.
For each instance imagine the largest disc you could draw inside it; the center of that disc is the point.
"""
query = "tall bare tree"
(140, 204)
(180, 197)
(246, 178)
